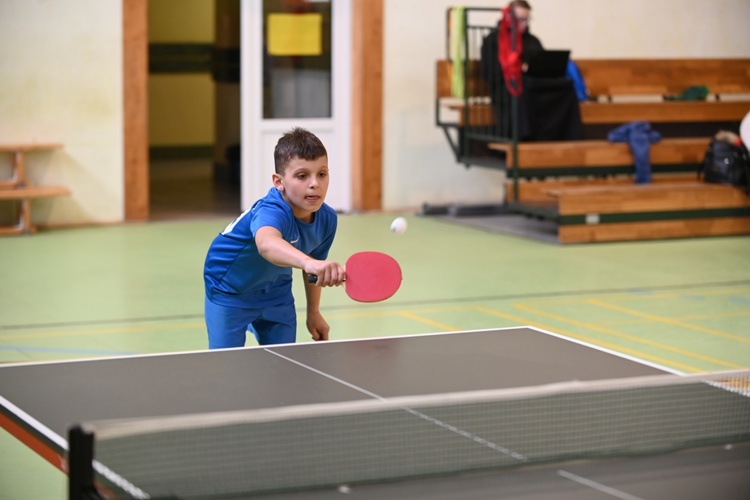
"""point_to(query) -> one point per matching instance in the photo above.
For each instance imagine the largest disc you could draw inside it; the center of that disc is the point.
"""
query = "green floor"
(130, 289)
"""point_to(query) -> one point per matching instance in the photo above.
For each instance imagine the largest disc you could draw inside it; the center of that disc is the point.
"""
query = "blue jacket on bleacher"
(639, 135)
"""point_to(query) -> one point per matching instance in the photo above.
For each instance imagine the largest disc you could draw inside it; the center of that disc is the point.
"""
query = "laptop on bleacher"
(548, 63)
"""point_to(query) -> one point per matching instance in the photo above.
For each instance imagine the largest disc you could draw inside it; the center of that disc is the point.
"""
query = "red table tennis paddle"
(370, 276)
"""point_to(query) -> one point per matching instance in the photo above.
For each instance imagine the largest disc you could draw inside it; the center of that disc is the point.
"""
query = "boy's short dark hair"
(297, 143)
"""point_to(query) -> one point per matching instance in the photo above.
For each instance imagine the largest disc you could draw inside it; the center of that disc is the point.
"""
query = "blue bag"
(574, 73)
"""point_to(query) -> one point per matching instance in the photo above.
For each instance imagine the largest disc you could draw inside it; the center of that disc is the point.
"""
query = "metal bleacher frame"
(469, 135)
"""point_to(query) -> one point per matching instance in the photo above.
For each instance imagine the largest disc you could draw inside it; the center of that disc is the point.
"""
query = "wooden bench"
(476, 88)
(24, 195)
(608, 79)
(17, 189)
(560, 180)
(591, 207)
(541, 159)
(591, 213)
(643, 82)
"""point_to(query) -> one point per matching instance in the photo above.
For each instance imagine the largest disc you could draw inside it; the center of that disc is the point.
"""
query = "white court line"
(477, 439)
(598, 486)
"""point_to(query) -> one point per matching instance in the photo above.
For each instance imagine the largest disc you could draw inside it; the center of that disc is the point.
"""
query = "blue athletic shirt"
(236, 275)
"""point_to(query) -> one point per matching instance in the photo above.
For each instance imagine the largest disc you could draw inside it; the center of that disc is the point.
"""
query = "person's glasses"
(526, 20)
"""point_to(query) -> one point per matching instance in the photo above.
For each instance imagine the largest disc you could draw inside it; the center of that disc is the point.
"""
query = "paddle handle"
(313, 278)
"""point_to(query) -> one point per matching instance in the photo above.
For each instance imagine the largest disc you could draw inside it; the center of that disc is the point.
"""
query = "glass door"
(295, 72)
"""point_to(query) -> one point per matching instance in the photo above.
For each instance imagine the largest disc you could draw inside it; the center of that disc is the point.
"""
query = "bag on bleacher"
(579, 84)
(727, 161)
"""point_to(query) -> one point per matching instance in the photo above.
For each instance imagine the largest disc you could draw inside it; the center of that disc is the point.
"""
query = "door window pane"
(296, 59)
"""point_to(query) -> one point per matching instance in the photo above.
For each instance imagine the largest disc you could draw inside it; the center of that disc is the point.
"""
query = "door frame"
(366, 109)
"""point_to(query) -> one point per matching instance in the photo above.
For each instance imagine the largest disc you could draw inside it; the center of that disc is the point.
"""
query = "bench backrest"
(632, 76)
(664, 76)
(475, 84)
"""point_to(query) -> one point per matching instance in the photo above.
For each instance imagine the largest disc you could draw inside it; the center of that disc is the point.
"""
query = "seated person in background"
(548, 107)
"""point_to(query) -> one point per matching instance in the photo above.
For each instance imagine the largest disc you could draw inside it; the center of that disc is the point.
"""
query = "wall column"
(135, 114)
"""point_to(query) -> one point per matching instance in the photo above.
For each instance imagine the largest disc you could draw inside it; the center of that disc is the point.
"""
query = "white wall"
(418, 165)
(61, 81)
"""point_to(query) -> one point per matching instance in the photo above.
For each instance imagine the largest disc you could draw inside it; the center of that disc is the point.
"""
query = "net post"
(80, 465)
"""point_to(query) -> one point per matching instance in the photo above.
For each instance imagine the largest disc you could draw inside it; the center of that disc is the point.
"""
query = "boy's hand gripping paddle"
(370, 276)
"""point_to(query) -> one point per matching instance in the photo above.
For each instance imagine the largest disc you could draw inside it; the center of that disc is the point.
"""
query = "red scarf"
(509, 55)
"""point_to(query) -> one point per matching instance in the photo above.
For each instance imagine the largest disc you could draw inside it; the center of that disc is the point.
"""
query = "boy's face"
(304, 186)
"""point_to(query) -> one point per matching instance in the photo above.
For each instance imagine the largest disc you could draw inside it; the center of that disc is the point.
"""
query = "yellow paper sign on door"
(295, 34)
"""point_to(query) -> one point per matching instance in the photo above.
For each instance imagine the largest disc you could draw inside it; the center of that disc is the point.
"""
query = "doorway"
(297, 76)
(193, 88)
(365, 161)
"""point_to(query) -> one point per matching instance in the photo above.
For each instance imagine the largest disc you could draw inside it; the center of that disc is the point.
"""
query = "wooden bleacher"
(608, 80)
(611, 79)
(561, 180)
(17, 188)
(663, 209)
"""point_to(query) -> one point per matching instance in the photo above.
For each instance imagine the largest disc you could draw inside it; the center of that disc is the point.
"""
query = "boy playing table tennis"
(248, 268)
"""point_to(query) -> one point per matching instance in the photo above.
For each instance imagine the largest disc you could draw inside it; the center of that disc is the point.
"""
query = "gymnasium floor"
(137, 288)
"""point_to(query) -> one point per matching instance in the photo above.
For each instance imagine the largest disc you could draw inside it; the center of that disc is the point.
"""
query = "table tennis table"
(40, 402)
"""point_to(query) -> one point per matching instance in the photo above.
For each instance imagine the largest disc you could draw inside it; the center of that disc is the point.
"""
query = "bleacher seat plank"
(696, 204)
(539, 191)
(26, 147)
(601, 153)
(619, 77)
(24, 195)
(474, 84)
(653, 230)
(664, 76)
(615, 113)
(647, 198)
(18, 177)
(480, 114)
(34, 192)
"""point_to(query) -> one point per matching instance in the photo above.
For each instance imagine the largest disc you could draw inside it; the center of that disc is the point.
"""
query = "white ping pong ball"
(399, 225)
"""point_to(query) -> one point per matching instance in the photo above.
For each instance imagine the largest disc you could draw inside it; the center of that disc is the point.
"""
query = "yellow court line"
(644, 321)
(631, 297)
(381, 313)
(722, 315)
(733, 314)
(615, 333)
(201, 324)
(669, 321)
(427, 321)
(593, 341)
(357, 314)
(524, 321)
(105, 331)
(713, 292)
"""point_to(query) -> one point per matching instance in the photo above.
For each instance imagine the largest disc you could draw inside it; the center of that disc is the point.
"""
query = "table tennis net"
(231, 454)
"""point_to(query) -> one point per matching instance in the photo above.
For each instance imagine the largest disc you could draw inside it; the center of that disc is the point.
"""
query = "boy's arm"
(278, 251)
(316, 325)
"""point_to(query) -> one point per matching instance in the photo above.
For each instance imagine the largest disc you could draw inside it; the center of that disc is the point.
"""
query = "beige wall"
(418, 166)
(61, 81)
(645, 28)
